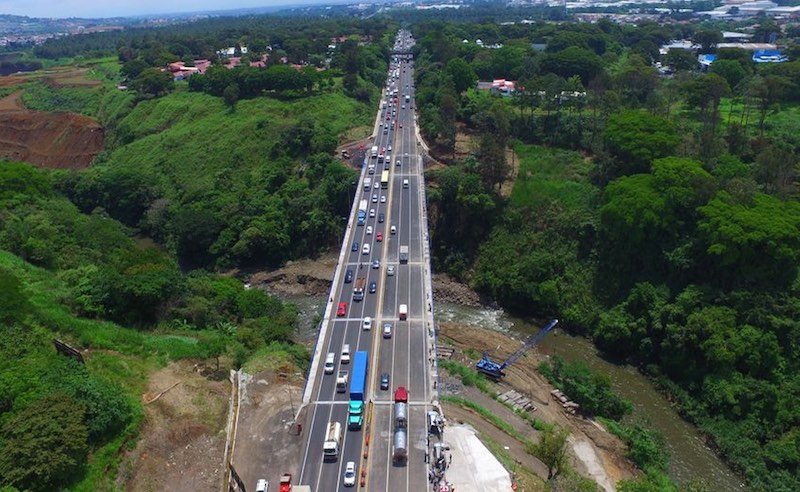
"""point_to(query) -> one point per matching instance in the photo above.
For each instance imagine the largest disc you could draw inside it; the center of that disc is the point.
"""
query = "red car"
(342, 309)
(379, 237)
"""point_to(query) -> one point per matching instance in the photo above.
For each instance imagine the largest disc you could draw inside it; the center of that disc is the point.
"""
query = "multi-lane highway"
(405, 355)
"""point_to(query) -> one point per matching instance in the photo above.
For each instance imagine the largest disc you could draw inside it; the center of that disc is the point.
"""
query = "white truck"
(374, 151)
(403, 311)
(333, 439)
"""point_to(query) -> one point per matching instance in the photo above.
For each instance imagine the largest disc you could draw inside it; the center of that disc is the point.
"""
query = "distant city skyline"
(100, 9)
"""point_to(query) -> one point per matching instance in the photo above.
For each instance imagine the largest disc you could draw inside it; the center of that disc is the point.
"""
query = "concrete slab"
(474, 468)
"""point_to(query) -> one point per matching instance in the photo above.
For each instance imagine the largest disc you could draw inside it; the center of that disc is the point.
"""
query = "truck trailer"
(355, 417)
(358, 289)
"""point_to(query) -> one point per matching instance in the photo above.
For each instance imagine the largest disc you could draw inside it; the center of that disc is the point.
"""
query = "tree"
(231, 96)
(153, 82)
(681, 59)
(573, 61)
(707, 39)
(756, 243)
(462, 74)
(14, 305)
(45, 446)
(551, 450)
(635, 138)
(133, 68)
(730, 70)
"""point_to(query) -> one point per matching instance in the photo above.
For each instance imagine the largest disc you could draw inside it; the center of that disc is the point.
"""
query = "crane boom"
(530, 342)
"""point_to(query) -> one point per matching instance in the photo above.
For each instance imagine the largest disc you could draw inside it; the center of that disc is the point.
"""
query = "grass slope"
(188, 138)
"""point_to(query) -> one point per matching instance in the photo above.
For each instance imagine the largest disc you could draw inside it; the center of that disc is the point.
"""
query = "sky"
(115, 8)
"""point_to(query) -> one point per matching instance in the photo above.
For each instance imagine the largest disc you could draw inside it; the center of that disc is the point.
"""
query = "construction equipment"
(494, 370)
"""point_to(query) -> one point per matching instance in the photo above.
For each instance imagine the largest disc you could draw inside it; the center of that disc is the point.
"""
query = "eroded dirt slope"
(54, 140)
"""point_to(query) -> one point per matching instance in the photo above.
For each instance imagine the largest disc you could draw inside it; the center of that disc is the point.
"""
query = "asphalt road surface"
(404, 356)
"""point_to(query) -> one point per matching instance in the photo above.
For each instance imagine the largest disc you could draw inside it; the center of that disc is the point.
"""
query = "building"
(769, 56)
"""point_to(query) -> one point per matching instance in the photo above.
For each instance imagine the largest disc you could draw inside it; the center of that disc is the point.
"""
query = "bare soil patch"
(69, 77)
(11, 80)
(266, 443)
(53, 140)
(302, 277)
(608, 458)
(182, 440)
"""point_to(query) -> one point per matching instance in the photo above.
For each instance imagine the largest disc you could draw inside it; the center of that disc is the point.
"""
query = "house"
(180, 71)
(503, 87)
(769, 56)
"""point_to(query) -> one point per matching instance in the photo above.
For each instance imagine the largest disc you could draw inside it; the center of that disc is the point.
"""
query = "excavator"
(494, 370)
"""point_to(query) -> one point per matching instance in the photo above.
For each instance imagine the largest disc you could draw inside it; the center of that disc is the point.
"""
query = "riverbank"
(594, 452)
(313, 278)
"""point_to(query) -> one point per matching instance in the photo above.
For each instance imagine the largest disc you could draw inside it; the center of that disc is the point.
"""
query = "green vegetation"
(551, 450)
(657, 215)
(591, 390)
(468, 375)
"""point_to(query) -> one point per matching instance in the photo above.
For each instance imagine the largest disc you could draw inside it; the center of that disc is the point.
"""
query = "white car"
(389, 148)
(369, 230)
(390, 271)
(387, 330)
(383, 198)
(375, 198)
(376, 185)
(350, 474)
(367, 325)
(372, 212)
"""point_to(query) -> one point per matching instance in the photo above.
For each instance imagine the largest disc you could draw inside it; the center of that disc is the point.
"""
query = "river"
(690, 457)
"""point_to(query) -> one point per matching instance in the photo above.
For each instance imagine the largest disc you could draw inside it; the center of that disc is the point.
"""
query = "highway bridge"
(408, 355)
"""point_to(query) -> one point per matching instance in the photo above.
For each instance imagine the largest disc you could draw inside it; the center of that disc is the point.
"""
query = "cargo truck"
(403, 311)
(404, 254)
(333, 439)
(358, 290)
(355, 417)
(362, 212)
(374, 151)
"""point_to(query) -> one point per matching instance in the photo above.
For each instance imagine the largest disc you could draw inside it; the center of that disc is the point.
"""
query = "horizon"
(89, 9)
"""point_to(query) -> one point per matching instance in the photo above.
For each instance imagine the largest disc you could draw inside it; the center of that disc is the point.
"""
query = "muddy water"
(690, 457)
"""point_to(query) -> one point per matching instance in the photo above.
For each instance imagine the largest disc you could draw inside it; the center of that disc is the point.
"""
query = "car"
(375, 198)
(397, 163)
(406, 154)
(387, 330)
(377, 184)
(381, 217)
(341, 310)
(286, 483)
(355, 246)
(386, 166)
(389, 148)
(401, 125)
(367, 323)
(349, 479)
(369, 230)
(376, 264)
(379, 237)
(348, 276)
(262, 485)
(381, 124)
(373, 287)
(372, 212)
(385, 131)
(403, 106)
(385, 381)
(390, 271)
(383, 198)
(365, 249)
(393, 230)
